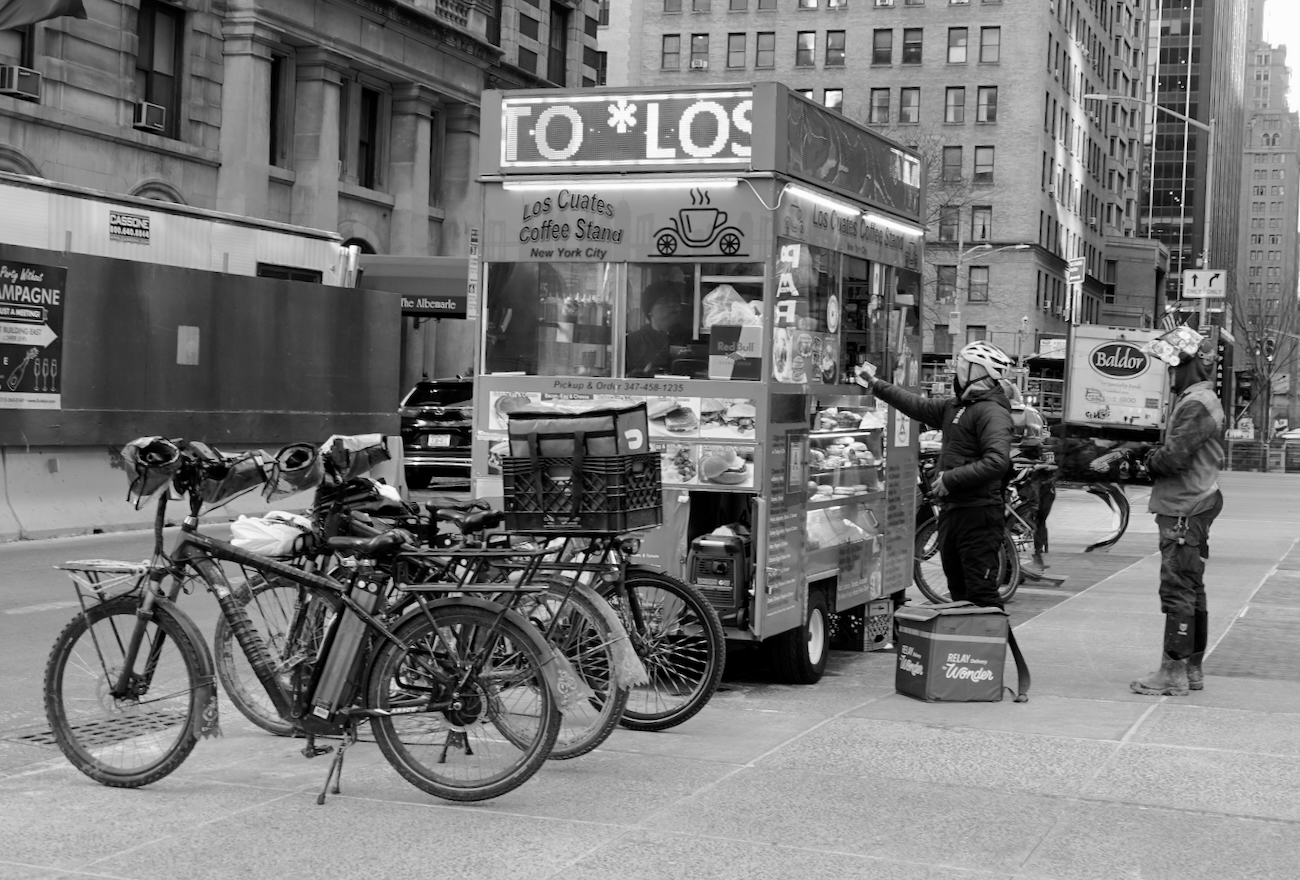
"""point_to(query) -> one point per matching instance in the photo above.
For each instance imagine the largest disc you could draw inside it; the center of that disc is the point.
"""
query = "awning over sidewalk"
(430, 287)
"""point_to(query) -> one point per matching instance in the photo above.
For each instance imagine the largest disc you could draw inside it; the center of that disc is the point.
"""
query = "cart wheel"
(729, 243)
(667, 244)
(799, 656)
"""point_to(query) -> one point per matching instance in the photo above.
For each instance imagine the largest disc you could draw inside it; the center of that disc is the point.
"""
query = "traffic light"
(1245, 387)
(1270, 347)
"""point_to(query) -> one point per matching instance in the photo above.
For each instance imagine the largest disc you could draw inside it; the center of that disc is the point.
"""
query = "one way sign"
(1204, 284)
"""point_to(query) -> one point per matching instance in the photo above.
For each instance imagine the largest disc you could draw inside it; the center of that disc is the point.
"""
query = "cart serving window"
(696, 251)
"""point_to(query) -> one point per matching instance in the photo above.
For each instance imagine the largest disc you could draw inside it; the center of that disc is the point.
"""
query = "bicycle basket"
(296, 468)
(233, 475)
(151, 462)
(353, 455)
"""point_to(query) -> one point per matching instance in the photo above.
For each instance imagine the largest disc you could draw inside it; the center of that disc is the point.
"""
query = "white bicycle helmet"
(988, 356)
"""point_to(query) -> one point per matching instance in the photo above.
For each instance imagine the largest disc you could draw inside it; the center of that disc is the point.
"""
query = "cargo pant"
(1184, 547)
(969, 540)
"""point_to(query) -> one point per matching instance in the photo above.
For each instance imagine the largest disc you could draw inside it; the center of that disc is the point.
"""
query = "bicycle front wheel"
(567, 617)
(130, 740)
(473, 717)
(679, 638)
(927, 566)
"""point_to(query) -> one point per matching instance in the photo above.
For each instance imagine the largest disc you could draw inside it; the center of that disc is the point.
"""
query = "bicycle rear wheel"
(474, 717)
(927, 567)
(128, 741)
(567, 617)
(679, 639)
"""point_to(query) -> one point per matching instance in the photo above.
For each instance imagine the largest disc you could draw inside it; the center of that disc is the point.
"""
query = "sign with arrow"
(32, 297)
(1205, 283)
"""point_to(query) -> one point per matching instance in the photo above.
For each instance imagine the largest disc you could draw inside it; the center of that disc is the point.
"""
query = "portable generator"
(720, 566)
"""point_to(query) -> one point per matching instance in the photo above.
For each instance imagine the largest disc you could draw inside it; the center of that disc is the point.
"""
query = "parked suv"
(437, 417)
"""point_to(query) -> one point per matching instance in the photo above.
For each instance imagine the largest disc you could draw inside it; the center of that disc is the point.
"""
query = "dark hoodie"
(977, 431)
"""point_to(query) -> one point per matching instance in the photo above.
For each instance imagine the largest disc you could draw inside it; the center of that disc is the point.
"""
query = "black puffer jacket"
(977, 431)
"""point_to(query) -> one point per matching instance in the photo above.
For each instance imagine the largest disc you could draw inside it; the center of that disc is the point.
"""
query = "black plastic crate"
(604, 493)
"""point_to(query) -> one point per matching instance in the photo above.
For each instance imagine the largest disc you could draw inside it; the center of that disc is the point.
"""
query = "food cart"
(726, 254)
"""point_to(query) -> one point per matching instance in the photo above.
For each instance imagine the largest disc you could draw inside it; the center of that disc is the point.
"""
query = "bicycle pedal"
(312, 750)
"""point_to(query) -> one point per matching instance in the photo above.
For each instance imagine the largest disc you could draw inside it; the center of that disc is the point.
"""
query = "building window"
(602, 68)
(909, 105)
(882, 46)
(529, 26)
(766, 4)
(765, 50)
(834, 99)
(557, 57)
(527, 60)
(804, 93)
(735, 50)
(602, 17)
(951, 165)
(701, 6)
(983, 165)
(976, 333)
(990, 44)
(672, 5)
(805, 49)
(834, 49)
(977, 287)
(160, 30)
(947, 282)
(957, 45)
(699, 50)
(987, 108)
(437, 140)
(949, 221)
(981, 223)
(368, 138)
(954, 104)
(879, 107)
(281, 107)
(807, 4)
(670, 57)
(912, 38)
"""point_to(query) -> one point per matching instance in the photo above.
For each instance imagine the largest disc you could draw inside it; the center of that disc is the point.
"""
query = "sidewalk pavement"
(845, 779)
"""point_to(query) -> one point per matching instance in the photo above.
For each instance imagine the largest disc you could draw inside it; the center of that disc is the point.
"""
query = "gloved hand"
(1146, 461)
(863, 373)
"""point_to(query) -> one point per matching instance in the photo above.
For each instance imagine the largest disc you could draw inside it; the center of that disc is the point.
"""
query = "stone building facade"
(354, 116)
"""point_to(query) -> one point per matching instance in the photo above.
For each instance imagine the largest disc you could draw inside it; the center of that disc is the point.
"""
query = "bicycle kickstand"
(336, 766)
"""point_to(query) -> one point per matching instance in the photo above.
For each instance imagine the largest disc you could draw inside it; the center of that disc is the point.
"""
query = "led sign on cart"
(605, 131)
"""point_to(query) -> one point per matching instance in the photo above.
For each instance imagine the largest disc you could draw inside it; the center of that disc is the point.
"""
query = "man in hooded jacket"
(973, 465)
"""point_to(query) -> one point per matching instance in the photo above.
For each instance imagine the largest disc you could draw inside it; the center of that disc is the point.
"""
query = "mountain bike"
(462, 693)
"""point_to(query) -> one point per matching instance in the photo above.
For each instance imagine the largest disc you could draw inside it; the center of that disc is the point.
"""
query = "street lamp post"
(1209, 172)
(962, 256)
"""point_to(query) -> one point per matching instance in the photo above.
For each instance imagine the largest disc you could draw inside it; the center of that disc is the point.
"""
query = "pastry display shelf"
(844, 432)
(821, 503)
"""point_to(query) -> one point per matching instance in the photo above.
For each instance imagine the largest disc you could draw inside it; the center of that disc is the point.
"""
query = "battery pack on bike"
(344, 651)
(955, 653)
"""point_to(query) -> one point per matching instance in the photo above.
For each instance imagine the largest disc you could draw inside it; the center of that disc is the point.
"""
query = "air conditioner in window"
(1092, 221)
(21, 82)
(699, 64)
(150, 117)
(1051, 191)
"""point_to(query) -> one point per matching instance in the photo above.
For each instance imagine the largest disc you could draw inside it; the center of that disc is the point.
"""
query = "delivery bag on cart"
(599, 428)
(955, 652)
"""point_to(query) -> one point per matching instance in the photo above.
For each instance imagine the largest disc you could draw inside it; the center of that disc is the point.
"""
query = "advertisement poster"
(1112, 381)
(31, 331)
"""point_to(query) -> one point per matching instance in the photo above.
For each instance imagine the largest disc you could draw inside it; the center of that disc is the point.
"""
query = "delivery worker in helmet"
(974, 461)
(1038, 490)
(1185, 498)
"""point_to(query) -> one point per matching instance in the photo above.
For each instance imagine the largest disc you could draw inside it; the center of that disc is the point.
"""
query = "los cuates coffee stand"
(725, 256)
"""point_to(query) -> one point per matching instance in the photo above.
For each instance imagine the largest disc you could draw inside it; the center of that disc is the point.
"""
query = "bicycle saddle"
(470, 521)
(380, 545)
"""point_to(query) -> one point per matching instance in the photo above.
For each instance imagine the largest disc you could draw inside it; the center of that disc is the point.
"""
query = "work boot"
(1195, 677)
(1038, 560)
(1169, 680)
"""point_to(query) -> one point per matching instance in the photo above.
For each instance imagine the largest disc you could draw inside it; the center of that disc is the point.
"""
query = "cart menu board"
(31, 330)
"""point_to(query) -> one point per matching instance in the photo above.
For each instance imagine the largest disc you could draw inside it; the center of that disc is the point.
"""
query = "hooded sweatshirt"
(1186, 466)
(977, 432)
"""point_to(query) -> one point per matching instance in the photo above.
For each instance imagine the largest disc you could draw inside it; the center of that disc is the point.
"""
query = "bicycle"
(462, 694)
